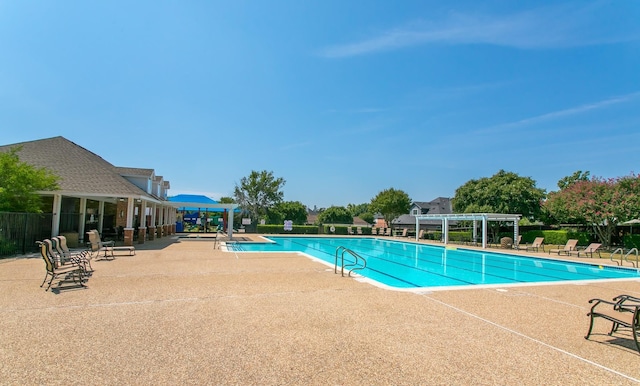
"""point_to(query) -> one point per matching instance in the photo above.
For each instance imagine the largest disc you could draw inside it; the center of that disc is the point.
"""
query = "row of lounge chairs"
(60, 261)
(571, 249)
(377, 232)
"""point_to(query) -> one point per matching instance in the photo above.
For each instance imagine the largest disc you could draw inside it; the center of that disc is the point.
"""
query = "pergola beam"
(484, 217)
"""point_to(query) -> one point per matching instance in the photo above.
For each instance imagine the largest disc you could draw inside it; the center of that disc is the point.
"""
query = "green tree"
(288, 210)
(335, 215)
(391, 203)
(600, 203)
(21, 182)
(258, 192)
(504, 192)
(357, 209)
(227, 200)
(367, 217)
(579, 175)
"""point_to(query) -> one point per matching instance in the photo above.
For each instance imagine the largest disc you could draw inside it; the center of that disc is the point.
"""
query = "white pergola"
(475, 217)
(229, 207)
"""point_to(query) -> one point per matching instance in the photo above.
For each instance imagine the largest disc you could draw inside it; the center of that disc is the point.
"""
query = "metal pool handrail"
(626, 257)
(343, 266)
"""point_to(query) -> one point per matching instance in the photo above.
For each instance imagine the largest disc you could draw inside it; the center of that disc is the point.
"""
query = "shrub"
(556, 237)
(632, 241)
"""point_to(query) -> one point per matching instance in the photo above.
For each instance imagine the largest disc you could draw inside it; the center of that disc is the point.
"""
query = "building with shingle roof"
(440, 205)
(98, 193)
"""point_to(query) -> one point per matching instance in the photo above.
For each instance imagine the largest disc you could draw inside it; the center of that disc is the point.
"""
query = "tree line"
(600, 203)
(597, 202)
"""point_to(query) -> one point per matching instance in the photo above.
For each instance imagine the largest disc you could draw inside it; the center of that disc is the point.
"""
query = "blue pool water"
(411, 265)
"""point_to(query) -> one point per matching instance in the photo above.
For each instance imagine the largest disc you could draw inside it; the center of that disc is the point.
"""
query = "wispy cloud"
(549, 27)
(570, 111)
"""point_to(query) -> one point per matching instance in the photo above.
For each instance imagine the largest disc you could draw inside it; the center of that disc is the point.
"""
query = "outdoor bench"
(623, 311)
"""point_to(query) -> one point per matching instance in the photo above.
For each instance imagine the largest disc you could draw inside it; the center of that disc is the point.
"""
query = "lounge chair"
(421, 234)
(350, 230)
(588, 251)
(374, 231)
(534, 246)
(404, 233)
(359, 230)
(106, 247)
(568, 247)
(387, 231)
(74, 271)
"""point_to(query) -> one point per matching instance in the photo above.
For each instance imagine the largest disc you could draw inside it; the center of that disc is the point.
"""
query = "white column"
(417, 227)
(153, 214)
(130, 213)
(475, 231)
(484, 232)
(143, 214)
(445, 230)
(516, 231)
(230, 223)
(55, 219)
(100, 215)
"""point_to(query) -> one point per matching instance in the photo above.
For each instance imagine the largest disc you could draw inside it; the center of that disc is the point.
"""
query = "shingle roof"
(80, 170)
(136, 172)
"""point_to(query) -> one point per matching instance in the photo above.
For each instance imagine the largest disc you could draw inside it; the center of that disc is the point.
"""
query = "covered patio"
(475, 217)
(194, 202)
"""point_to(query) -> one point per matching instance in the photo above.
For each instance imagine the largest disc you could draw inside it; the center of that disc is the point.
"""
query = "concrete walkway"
(182, 312)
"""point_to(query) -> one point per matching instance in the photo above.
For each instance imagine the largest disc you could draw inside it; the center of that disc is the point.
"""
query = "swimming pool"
(412, 265)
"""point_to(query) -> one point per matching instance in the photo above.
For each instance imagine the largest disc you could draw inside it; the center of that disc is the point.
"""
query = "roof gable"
(80, 170)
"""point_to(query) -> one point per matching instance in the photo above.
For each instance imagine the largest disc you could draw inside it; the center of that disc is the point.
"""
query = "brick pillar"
(173, 228)
(152, 233)
(160, 231)
(166, 230)
(128, 237)
(142, 235)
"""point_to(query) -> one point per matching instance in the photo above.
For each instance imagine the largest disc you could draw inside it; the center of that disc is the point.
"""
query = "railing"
(358, 259)
(626, 257)
(614, 253)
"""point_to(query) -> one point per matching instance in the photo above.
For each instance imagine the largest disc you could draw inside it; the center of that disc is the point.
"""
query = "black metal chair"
(624, 311)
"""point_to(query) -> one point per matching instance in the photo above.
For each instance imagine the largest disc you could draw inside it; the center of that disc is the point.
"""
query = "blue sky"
(342, 99)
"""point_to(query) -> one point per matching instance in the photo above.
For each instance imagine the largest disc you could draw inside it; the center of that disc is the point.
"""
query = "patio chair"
(107, 247)
(421, 234)
(623, 311)
(65, 256)
(374, 231)
(588, 251)
(404, 233)
(568, 247)
(350, 230)
(74, 271)
(359, 231)
(534, 246)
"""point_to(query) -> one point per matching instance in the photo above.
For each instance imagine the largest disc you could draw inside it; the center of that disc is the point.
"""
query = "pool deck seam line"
(532, 339)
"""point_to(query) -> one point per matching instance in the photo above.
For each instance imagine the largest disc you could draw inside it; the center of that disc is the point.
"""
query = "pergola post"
(445, 230)
(484, 232)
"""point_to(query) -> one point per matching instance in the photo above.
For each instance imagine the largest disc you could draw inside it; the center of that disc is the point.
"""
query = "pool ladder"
(355, 266)
(625, 257)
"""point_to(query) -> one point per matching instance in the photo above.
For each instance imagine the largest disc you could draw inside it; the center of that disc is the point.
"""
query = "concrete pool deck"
(182, 312)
